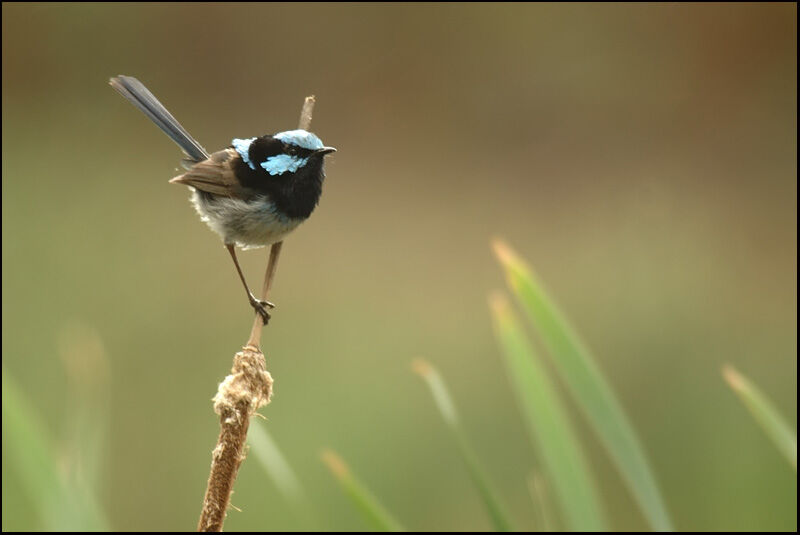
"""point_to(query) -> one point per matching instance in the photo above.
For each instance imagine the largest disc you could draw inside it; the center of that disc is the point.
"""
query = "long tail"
(135, 91)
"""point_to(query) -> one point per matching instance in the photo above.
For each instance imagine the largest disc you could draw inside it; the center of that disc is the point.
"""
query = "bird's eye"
(294, 150)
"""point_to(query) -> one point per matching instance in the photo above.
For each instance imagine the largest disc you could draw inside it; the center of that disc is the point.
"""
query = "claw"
(265, 316)
(261, 306)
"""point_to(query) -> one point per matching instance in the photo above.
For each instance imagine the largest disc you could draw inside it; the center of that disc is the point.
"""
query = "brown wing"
(214, 175)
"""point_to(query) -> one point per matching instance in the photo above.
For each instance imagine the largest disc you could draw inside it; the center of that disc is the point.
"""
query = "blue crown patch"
(301, 138)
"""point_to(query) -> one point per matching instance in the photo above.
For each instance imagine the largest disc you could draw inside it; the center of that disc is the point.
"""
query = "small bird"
(252, 193)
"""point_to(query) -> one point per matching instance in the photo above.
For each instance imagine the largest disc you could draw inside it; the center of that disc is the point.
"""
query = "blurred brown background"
(641, 157)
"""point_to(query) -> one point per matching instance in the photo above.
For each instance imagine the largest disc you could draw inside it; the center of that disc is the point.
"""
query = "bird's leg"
(259, 305)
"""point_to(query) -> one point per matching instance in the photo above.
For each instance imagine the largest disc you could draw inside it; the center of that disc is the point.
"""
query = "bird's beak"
(325, 150)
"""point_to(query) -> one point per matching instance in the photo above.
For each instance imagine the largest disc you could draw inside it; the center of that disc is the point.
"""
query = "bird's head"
(287, 167)
(284, 152)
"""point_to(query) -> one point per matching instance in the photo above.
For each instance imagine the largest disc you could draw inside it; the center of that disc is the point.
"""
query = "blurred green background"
(641, 157)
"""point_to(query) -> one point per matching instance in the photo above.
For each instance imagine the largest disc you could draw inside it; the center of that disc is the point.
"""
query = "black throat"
(294, 194)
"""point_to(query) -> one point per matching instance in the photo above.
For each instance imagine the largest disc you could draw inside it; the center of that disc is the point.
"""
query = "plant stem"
(275, 250)
(240, 395)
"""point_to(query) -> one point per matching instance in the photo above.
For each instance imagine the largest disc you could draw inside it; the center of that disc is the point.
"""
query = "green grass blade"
(541, 504)
(371, 510)
(587, 386)
(548, 424)
(61, 507)
(444, 402)
(87, 369)
(274, 463)
(764, 413)
(30, 448)
(279, 470)
(82, 451)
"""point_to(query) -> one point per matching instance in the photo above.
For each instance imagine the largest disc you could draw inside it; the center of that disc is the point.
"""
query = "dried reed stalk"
(240, 395)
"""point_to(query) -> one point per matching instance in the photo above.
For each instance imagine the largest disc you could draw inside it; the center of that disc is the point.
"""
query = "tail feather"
(133, 90)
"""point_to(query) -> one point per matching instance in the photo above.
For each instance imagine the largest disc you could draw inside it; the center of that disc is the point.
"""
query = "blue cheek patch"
(242, 146)
(283, 163)
(300, 138)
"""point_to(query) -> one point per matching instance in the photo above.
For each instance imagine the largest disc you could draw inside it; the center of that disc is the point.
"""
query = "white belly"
(246, 224)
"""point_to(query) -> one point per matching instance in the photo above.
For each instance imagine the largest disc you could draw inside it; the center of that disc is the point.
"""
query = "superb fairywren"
(252, 193)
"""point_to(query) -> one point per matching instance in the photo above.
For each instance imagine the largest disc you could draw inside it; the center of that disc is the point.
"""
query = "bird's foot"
(261, 306)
